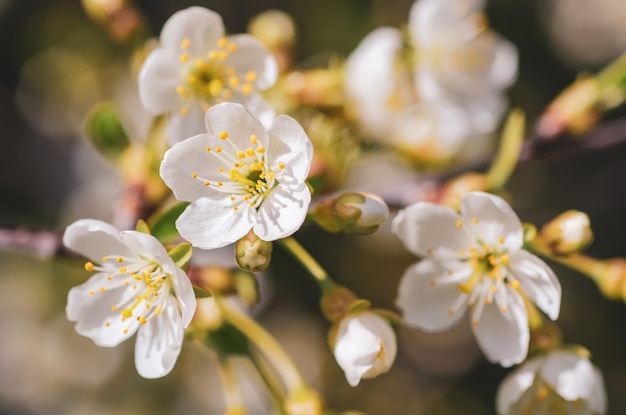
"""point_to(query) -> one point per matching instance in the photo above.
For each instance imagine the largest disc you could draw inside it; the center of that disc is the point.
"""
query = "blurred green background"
(56, 63)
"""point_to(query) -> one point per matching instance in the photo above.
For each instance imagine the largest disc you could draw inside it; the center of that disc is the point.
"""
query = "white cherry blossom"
(560, 382)
(474, 260)
(196, 67)
(136, 288)
(365, 346)
(240, 177)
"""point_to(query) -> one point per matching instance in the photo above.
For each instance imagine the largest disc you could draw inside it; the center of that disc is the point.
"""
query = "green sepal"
(227, 340)
(201, 292)
(181, 254)
(358, 306)
(390, 316)
(103, 128)
(163, 223)
(511, 142)
(142, 227)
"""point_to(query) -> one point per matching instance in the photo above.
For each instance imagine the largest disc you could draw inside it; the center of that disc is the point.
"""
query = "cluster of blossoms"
(243, 171)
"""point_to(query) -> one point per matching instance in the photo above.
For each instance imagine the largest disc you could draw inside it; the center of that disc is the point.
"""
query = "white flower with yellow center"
(459, 59)
(365, 346)
(136, 288)
(560, 382)
(239, 177)
(474, 259)
(197, 67)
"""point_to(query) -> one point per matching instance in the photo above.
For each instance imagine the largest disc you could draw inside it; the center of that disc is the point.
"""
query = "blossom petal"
(159, 342)
(181, 127)
(201, 26)
(283, 211)
(251, 55)
(158, 80)
(538, 281)
(424, 305)
(490, 218)
(289, 145)
(185, 295)
(572, 376)
(93, 238)
(504, 336)
(91, 310)
(208, 225)
(429, 229)
(146, 246)
(515, 384)
(238, 122)
(260, 108)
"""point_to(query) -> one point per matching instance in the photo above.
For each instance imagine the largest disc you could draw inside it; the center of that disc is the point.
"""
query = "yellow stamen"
(184, 110)
(184, 57)
(89, 266)
(459, 224)
(185, 43)
(223, 135)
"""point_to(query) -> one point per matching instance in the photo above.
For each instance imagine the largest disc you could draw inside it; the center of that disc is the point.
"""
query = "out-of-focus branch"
(44, 244)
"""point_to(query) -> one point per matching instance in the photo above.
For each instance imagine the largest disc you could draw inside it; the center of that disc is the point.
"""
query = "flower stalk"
(320, 275)
(233, 397)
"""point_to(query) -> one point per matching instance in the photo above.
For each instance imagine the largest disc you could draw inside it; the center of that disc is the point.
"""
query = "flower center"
(210, 79)
(144, 276)
(247, 176)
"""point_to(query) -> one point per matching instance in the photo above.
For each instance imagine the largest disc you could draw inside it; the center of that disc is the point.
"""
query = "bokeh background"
(56, 64)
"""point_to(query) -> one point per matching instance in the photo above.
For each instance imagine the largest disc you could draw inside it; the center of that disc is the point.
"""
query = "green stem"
(309, 263)
(268, 346)
(271, 381)
(507, 157)
(232, 392)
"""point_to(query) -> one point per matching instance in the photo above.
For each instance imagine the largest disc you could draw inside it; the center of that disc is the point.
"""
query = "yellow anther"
(185, 43)
(126, 283)
(515, 284)
(221, 169)
(433, 282)
(107, 324)
(91, 293)
(241, 155)
(89, 266)
(232, 47)
(251, 76)
(501, 239)
(215, 87)
(125, 331)
(260, 150)
(157, 311)
(109, 277)
(488, 300)
(120, 259)
(281, 165)
(142, 320)
(134, 288)
(220, 184)
(270, 176)
(184, 57)
(504, 309)
(183, 110)
(459, 224)
(504, 259)
(253, 139)
(194, 175)
(465, 288)
(233, 81)
(222, 42)
(181, 90)
(232, 198)
(492, 288)
(450, 311)
(235, 208)
(114, 308)
(208, 149)
(123, 270)
(223, 135)
(101, 289)
(474, 220)
(218, 149)
(246, 89)
(207, 183)
(430, 251)
(542, 394)
(250, 152)
(105, 258)
(492, 260)
(127, 313)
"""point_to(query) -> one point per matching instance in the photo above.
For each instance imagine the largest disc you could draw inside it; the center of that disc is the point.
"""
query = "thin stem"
(268, 346)
(233, 397)
(309, 263)
(271, 381)
(579, 262)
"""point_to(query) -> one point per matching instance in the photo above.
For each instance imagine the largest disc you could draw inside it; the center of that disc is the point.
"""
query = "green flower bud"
(252, 253)
(568, 233)
(352, 213)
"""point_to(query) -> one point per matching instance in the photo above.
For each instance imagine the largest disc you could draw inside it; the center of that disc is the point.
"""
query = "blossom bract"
(240, 177)
(136, 288)
(560, 382)
(196, 67)
(474, 259)
(365, 346)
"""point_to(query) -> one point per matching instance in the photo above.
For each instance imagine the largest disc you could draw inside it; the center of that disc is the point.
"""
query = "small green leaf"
(181, 254)
(104, 129)
(227, 340)
(201, 292)
(359, 305)
(163, 223)
(142, 227)
(511, 142)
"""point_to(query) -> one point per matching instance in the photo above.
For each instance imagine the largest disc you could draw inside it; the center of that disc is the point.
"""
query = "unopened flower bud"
(304, 402)
(568, 233)
(454, 189)
(364, 346)
(252, 253)
(353, 213)
(208, 315)
(276, 30)
(336, 303)
(610, 275)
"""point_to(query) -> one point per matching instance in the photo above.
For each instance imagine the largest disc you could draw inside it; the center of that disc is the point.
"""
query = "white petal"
(91, 310)
(515, 384)
(181, 127)
(290, 146)
(201, 26)
(503, 69)
(260, 108)
(158, 79)
(426, 226)
(572, 376)
(494, 219)
(538, 281)
(360, 342)
(282, 212)
(183, 160)
(146, 246)
(424, 305)
(429, 19)
(503, 336)
(185, 295)
(93, 239)
(251, 55)
(159, 342)
(238, 122)
(208, 225)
